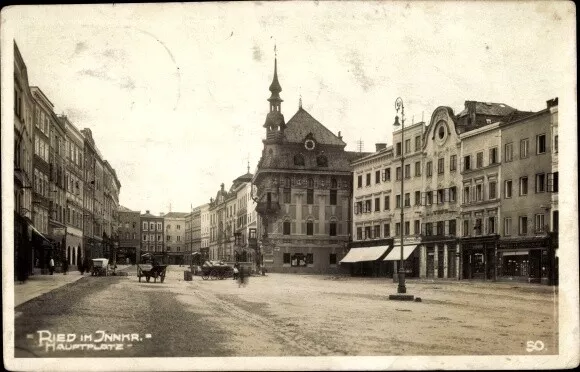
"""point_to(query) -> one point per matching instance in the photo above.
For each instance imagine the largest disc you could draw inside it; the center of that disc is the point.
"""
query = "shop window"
(309, 259)
(286, 258)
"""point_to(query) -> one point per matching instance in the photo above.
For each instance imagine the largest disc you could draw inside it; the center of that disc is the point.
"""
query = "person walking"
(64, 266)
(51, 265)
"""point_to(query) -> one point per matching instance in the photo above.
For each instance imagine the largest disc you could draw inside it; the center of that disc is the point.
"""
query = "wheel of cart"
(213, 275)
(205, 275)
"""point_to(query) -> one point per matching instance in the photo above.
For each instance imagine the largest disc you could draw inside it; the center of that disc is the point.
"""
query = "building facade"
(303, 192)
(175, 244)
(129, 233)
(24, 216)
(152, 235)
(204, 229)
(74, 184)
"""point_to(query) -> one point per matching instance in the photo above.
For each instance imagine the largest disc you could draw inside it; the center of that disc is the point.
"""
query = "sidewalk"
(37, 285)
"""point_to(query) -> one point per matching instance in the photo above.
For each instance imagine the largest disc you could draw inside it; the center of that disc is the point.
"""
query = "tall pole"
(399, 104)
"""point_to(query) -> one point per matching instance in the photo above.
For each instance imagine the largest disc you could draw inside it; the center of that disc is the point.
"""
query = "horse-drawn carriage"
(151, 267)
(215, 270)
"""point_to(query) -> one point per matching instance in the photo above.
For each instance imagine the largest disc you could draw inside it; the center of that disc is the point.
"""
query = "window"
(398, 174)
(168, 238)
(553, 182)
(508, 152)
(332, 260)
(387, 174)
(440, 228)
(466, 198)
(309, 196)
(507, 193)
(429, 228)
(286, 228)
(479, 159)
(417, 227)
(417, 143)
(377, 176)
(556, 143)
(539, 222)
(377, 232)
(440, 166)
(398, 149)
(298, 159)
(493, 158)
(387, 230)
(441, 196)
(523, 228)
(524, 148)
(145, 226)
(453, 163)
(429, 196)
(368, 232)
(387, 202)
(429, 169)
(479, 192)
(398, 201)
(491, 225)
(407, 199)
(523, 186)
(417, 169)
(359, 233)
(332, 228)
(407, 146)
(286, 258)
(309, 228)
(407, 228)
(540, 182)
(397, 228)
(287, 195)
(407, 170)
(417, 197)
(467, 162)
(465, 227)
(492, 190)
(377, 204)
(144, 237)
(367, 208)
(453, 194)
(368, 178)
(321, 161)
(333, 197)
(178, 238)
(478, 227)
(540, 144)
(452, 227)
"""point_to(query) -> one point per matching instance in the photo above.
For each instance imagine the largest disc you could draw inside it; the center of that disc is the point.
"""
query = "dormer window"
(298, 159)
(321, 161)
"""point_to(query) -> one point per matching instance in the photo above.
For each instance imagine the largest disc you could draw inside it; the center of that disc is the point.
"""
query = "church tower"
(275, 124)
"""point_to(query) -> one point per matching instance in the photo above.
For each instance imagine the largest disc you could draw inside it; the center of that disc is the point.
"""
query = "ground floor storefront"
(74, 249)
(305, 257)
(127, 255)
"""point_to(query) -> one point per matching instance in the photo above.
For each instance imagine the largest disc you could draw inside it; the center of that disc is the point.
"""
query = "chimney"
(552, 102)
(380, 146)
(147, 211)
(222, 186)
(339, 136)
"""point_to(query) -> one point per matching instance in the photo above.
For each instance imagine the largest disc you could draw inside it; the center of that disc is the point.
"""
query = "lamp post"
(401, 289)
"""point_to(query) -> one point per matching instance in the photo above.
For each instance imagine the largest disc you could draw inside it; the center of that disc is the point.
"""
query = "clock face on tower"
(309, 144)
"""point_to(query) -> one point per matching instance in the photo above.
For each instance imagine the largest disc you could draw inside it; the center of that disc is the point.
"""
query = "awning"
(395, 254)
(38, 234)
(364, 254)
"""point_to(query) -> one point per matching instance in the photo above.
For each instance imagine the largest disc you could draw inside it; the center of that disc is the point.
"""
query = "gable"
(303, 124)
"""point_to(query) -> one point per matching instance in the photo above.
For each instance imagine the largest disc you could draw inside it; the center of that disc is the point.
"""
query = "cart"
(100, 267)
(150, 268)
(215, 270)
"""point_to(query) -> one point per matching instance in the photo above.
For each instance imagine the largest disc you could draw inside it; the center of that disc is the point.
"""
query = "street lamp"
(401, 289)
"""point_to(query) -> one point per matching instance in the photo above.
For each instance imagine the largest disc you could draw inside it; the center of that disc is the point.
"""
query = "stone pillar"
(436, 261)
(423, 261)
(299, 215)
(445, 260)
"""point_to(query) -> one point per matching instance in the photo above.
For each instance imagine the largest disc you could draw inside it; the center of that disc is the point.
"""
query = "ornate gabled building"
(303, 192)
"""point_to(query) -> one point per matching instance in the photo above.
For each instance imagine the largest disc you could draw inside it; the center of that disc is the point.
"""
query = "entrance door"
(440, 263)
(535, 265)
(451, 263)
(430, 263)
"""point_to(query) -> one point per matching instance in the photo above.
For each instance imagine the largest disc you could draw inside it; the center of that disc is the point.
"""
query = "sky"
(175, 94)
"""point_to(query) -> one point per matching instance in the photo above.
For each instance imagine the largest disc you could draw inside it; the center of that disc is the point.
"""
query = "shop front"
(365, 258)
(478, 257)
(530, 260)
(411, 260)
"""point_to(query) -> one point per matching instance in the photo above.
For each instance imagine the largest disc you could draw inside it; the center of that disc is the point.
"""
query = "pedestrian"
(64, 266)
(236, 272)
(242, 274)
(51, 265)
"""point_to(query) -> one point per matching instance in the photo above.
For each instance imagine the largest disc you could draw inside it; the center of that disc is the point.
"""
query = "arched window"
(310, 183)
(333, 183)
(298, 159)
(287, 182)
(321, 161)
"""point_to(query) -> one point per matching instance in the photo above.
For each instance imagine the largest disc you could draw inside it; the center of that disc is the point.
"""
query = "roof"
(516, 115)
(302, 124)
(244, 178)
(355, 155)
(125, 209)
(175, 215)
(488, 108)
(149, 215)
